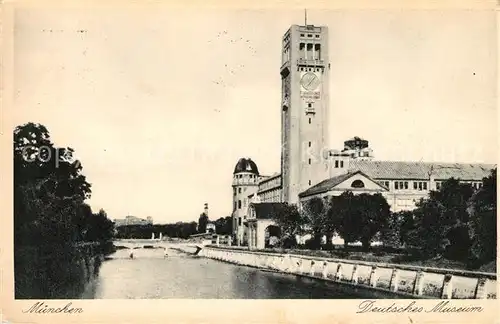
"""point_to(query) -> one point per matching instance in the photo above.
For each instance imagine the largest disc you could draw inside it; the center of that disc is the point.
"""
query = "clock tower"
(304, 109)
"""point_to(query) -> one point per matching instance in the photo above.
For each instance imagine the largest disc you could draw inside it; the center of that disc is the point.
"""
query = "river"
(150, 275)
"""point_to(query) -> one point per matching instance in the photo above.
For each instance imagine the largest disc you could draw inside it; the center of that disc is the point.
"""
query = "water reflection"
(151, 275)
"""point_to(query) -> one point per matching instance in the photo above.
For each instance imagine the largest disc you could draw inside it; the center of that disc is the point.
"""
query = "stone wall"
(409, 281)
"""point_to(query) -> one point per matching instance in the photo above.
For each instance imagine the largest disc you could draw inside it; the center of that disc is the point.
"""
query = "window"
(234, 207)
(234, 191)
(239, 204)
(317, 36)
(420, 186)
(309, 105)
(309, 35)
(302, 35)
(239, 221)
(239, 190)
(387, 184)
(309, 161)
(309, 144)
(336, 163)
(406, 184)
(309, 120)
(415, 185)
(425, 185)
(438, 185)
(396, 185)
(357, 184)
(341, 164)
(309, 182)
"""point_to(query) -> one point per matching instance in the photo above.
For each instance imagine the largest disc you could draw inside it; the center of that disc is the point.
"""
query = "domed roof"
(246, 165)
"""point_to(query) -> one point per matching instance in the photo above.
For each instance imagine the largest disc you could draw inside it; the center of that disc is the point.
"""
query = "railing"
(412, 281)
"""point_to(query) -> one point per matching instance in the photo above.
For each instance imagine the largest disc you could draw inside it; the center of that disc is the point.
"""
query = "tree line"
(456, 222)
(50, 192)
(175, 230)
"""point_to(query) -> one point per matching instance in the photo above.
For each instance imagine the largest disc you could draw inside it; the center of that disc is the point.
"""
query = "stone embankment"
(395, 279)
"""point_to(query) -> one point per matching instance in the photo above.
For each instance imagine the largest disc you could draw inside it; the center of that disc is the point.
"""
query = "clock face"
(310, 81)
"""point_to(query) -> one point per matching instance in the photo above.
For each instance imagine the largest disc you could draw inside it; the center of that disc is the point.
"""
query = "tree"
(202, 223)
(289, 221)
(315, 215)
(49, 189)
(484, 220)
(441, 221)
(358, 217)
(223, 225)
(374, 211)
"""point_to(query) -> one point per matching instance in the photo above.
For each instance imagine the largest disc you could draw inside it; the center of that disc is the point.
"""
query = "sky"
(160, 103)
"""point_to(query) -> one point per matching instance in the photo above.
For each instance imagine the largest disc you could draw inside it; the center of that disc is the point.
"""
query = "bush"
(289, 242)
(312, 244)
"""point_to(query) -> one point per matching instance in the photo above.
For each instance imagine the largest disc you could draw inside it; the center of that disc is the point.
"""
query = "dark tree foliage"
(483, 210)
(290, 223)
(178, 230)
(50, 192)
(56, 234)
(223, 225)
(358, 217)
(315, 215)
(202, 223)
(441, 221)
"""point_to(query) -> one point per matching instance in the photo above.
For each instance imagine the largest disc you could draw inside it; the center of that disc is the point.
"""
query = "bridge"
(193, 247)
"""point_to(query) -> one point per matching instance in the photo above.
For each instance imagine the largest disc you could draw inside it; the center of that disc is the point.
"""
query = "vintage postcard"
(217, 162)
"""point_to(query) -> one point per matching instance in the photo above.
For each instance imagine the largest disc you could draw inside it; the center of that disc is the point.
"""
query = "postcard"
(219, 162)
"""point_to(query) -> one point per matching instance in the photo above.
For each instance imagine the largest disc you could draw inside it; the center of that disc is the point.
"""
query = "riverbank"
(381, 257)
(402, 280)
(57, 271)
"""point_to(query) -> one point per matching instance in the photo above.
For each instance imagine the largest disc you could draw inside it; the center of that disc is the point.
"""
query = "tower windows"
(317, 51)
(239, 190)
(309, 105)
(309, 182)
(309, 161)
(302, 52)
(310, 54)
(336, 163)
(239, 204)
(341, 164)
(309, 144)
(309, 120)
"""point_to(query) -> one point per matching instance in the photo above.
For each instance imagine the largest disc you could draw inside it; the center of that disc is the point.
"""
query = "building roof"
(327, 184)
(420, 170)
(246, 165)
(267, 210)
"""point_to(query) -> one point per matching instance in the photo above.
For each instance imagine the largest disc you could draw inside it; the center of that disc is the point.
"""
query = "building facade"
(308, 168)
(132, 220)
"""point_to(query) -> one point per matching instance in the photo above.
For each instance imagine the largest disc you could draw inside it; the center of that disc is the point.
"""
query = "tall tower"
(304, 109)
(245, 183)
(205, 209)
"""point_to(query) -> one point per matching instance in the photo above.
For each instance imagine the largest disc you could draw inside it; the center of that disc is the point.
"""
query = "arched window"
(357, 184)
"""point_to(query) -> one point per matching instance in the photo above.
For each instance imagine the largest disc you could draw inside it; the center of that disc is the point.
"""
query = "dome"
(246, 165)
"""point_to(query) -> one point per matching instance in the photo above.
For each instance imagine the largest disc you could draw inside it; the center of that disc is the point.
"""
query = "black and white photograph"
(169, 152)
